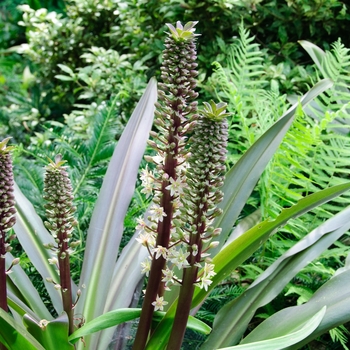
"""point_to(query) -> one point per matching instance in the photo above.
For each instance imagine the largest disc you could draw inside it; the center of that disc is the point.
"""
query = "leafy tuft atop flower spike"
(57, 163)
(3, 145)
(183, 33)
(215, 111)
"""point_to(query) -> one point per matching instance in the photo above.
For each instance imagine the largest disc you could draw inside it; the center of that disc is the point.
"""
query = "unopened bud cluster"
(59, 208)
(205, 176)
(7, 199)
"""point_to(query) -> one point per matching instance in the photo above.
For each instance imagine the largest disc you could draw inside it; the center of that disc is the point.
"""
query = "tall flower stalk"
(7, 215)
(61, 222)
(175, 113)
(185, 187)
(205, 176)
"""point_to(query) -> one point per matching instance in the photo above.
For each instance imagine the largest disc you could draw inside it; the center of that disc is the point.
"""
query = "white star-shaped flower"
(159, 303)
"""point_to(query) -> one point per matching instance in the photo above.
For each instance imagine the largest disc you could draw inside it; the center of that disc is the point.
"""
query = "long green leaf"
(23, 288)
(232, 320)
(281, 342)
(119, 316)
(126, 278)
(15, 337)
(32, 234)
(317, 55)
(106, 226)
(242, 178)
(334, 294)
(245, 245)
(52, 335)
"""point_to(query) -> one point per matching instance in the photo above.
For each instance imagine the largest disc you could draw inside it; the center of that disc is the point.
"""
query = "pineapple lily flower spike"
(7, 216)
(184, 185)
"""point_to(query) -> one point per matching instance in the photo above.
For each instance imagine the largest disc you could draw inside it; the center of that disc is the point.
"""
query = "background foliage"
(71, 73)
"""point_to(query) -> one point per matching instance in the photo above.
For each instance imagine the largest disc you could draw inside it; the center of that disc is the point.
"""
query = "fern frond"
(315, 152)
(241, 84)
(339, 334)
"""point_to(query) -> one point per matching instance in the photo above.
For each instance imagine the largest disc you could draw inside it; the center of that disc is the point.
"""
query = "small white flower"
(141, 225)
(168, 276)
(146, 239)
(179, 258)
(175, 187)
(209, 270)
(160, 251)
(157, 212)
(158, 159)
(53, 261)
(146, 267)
(159, 303)
(204, 283)
(147, 178)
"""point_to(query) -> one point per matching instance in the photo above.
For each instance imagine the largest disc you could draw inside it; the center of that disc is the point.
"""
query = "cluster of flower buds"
(7, 199)
(59, 211)
(205, 176)
(7, 217)
(61, 222)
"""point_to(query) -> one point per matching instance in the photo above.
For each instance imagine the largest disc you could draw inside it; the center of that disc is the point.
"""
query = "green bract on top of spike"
(57, 163)
(183, 33)
(3, 147)
(215, 111)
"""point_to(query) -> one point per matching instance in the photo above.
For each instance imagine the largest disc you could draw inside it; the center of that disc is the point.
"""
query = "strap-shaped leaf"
(333, 294)
(119, 316)
(232, 320)
(106, 225)
(23, 296)
(15, 336)
(32, 235)
(282, 341)
(125, 281)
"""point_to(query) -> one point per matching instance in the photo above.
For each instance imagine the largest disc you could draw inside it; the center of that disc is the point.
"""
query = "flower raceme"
(184, 182)
(174, 118)
(61, 222)
(7, 215)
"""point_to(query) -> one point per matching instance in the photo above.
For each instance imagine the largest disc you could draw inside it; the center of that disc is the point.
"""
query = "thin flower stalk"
(205, 176)
(7, 216)
(61, 222)
(175, 113)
